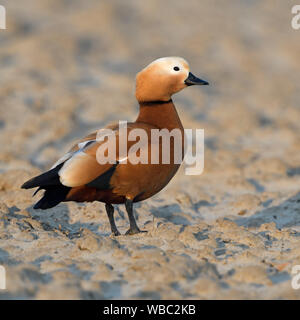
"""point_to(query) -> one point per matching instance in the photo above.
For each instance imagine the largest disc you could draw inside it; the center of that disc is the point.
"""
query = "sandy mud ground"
(68, 67)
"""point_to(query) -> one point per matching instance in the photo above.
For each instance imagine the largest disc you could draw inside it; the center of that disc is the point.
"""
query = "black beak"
(193, 80)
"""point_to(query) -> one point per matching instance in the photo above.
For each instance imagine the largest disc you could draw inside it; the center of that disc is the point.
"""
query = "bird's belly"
(141, 181)
(137, 182)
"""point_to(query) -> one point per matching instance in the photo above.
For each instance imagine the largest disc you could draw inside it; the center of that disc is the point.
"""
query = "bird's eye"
(176, 68)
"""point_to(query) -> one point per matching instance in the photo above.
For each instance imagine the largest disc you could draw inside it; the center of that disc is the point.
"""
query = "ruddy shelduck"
(80, 176)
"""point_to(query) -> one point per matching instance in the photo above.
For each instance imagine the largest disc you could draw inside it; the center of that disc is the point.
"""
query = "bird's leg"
(110, 213)
(133, 226)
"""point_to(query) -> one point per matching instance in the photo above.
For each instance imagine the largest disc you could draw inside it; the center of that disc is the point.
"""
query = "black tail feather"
(49, 178)
(54, 193)
(36, 191)
(53, 196)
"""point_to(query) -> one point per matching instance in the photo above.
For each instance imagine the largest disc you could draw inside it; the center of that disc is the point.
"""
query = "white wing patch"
(81, 146)
(71, 159)
(69, 175)
(62, 159)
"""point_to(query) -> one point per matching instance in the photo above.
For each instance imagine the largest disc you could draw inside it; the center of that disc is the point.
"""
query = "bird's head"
(164, 77)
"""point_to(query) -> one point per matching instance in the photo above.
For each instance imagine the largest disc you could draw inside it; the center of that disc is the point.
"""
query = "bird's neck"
(161, 114)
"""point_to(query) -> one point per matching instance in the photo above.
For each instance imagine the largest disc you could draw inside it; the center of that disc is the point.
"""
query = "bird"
(79, 175)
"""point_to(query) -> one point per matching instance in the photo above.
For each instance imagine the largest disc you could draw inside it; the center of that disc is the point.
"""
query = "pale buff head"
(164, 77)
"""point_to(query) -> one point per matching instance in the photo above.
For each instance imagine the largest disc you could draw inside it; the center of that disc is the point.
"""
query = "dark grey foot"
(110, 213)
(134, 231)
(116, 233)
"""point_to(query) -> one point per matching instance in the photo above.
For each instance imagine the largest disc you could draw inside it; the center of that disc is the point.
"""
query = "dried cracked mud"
(68, 67)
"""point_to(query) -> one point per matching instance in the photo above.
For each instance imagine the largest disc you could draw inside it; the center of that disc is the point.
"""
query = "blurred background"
(68, 68)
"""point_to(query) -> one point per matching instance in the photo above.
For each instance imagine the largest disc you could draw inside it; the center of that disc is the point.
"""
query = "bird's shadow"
(170, 213)
(286, 214)
(58, 218)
